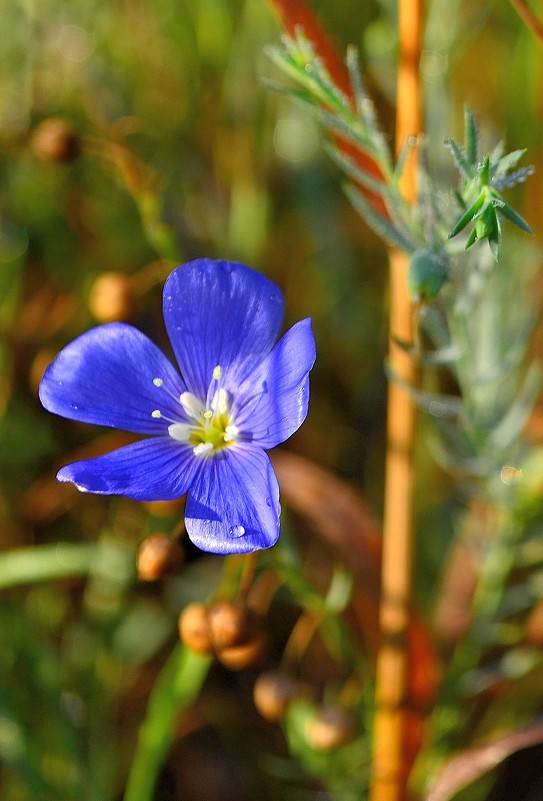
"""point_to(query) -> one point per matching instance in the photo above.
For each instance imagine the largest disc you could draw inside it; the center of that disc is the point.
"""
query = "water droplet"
(268, 502)
(236, 531)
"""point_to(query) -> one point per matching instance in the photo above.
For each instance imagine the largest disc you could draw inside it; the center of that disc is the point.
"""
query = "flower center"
(210, 427)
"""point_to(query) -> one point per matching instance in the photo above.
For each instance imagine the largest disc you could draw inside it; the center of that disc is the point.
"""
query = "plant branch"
(532, 22)
(389, 779)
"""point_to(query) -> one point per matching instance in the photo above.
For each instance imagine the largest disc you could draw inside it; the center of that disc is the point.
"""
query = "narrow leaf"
(460, 159)
(468, 216)
(471, 136)
(517, 177)
(515, 217)
(382, 227)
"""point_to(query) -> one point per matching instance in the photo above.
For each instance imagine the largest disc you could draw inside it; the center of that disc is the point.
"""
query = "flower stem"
(532, 22)
(388, 777)
(177, 686)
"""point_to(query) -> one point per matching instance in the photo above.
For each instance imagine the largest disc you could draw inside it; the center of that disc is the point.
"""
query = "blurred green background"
(135, 135)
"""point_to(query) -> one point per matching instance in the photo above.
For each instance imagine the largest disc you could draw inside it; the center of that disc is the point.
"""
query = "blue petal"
(156, 469)
(106, 377)
(233, 506)
(273, 401)
(220, 313)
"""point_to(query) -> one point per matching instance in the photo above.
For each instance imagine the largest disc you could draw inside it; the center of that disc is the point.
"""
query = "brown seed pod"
(157, 556)
(272, 694)
(249, 653)
(112, 298)
(330, 728)
(55, 140)
(230, 624)
(194, 628)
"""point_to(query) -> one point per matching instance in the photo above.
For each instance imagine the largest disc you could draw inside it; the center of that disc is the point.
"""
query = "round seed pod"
(56, 141)
(229, 625)
(272, 694)
(249, 653)
(194, 628)
(426, 274)
(112, 298)
(157, 556)
(330, 728)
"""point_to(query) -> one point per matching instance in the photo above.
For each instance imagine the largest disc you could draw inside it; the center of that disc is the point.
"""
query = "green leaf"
(515, 217)
(380, 225)
(468, 215)
(460, 158)
(471, 136)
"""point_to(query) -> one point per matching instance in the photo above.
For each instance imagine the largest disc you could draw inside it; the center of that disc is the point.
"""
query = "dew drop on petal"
(236, 531)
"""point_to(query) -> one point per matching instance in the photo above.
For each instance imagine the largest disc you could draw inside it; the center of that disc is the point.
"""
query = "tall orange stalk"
(389, 764)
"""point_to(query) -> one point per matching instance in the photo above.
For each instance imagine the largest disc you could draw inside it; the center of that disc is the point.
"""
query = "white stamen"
(230, 433)
(220, 403)
(156, 414)
(202, 449)
(208, 414)
(158, 382)
(217, 372)
(191, 404)
(180, 431)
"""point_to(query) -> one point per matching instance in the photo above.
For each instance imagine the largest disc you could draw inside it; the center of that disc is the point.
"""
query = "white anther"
(158, 382)
(156, 414)
(180, 431)
(220, 403)
(230, 433)
(191, 404)
(202, 449)
(217, 372)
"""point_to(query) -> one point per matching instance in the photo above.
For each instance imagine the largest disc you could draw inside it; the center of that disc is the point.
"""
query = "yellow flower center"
(210, 427)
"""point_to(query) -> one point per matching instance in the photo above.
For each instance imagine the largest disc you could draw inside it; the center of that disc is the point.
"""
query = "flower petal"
(220, 313)
(273, 401)
(233, 506)
(106, 376)
(156, 469)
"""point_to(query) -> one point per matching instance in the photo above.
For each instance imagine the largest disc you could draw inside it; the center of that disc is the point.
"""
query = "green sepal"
(468, 215)
(514, 217)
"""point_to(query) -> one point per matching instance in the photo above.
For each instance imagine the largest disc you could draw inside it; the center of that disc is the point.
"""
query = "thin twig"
(532, 22)
(389, 779)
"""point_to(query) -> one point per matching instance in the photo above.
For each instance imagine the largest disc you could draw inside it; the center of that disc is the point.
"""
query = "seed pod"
(194, 628)
(229, 625)
(330, 728)
(112, 298)
(157, 556)
(55, 140)
(427, 273)
(272, 694)
(249, 653)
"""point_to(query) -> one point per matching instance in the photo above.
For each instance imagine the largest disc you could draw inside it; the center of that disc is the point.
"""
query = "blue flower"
(239, 393)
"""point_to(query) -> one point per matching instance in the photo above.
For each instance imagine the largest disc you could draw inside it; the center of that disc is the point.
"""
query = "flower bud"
(427, 273)
(158, 555)
(330, 728)
(55, 140)
(229, 625)
(272, 694)
(112, 298)
(194, 628)
(249, 653)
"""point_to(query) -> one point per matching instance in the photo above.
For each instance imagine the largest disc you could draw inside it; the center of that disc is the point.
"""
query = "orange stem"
(389, 737)
(529, 18)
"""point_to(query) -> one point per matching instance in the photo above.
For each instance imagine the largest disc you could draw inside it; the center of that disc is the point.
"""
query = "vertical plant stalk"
(532, 22)
(389, 771)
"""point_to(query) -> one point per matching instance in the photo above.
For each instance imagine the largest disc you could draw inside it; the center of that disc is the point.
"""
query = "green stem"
(176, 688)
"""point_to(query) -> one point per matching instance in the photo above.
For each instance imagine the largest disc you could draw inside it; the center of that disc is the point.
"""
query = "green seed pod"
(427, 273)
